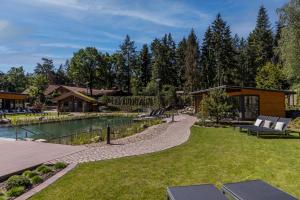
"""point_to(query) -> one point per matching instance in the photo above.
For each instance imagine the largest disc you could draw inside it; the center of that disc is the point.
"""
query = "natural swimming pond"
(63, 128)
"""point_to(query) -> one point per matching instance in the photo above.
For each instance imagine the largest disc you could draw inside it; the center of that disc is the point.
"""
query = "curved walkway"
(153, 139)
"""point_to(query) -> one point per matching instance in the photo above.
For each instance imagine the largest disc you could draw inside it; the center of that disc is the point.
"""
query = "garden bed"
(17, 185)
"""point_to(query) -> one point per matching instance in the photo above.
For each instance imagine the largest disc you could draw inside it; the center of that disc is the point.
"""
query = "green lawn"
(210, 156)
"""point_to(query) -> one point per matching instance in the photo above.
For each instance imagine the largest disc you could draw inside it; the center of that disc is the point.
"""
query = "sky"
(32, 29)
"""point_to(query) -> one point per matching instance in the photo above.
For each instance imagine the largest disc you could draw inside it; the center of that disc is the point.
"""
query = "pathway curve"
(153, 139)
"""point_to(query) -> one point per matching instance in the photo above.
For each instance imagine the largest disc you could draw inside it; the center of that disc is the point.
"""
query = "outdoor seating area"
(20, 111)
(247, 190)
(156, 113)
(267, 125)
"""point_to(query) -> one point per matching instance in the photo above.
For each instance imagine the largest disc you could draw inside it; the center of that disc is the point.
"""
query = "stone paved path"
(153, 139)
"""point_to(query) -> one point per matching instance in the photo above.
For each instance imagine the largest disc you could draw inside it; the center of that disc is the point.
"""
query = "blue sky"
(31, 29)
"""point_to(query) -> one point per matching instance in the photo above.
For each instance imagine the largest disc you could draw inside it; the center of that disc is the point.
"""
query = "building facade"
(251, 102)
(12, 101)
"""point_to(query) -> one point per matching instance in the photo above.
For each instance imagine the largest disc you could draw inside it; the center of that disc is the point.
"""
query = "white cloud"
(6, 50)
(166, 13)
(62, 45)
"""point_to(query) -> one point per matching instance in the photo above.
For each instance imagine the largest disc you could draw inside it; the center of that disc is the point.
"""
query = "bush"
(15, 191)
(43, 169)
(16, 181)
(36, 180)
(60, 165)
(29, 174)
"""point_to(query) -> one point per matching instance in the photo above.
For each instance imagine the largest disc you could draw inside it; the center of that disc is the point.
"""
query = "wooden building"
(76, 99)
(251, 102)
(12, 101)
(76, 102)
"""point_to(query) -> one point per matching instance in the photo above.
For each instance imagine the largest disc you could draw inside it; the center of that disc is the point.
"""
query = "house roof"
(226, 87)
(76, 94)
(96, 92)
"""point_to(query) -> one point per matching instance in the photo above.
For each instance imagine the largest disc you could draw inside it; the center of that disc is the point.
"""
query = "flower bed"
(16, 185)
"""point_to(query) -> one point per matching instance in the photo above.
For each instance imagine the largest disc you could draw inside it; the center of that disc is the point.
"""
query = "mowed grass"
(210, 156)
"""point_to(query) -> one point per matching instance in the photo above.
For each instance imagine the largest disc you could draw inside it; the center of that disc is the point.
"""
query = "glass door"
(251, 107)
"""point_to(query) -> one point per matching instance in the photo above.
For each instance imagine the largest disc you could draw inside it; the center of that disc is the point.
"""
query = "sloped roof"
(76, 94)
(82, 90)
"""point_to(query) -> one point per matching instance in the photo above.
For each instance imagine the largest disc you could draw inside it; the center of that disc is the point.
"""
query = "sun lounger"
(195, 192)
(246, 126)
(254, 190)
(264, 120)
(273, 130)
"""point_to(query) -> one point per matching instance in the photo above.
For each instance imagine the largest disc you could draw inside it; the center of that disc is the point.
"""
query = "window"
(246, 105)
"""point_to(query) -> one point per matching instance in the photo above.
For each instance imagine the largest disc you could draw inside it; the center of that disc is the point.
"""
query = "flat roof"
(226, 87)
(15, 93)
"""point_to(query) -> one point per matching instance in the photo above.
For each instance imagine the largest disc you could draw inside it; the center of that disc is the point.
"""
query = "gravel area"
(153, 139)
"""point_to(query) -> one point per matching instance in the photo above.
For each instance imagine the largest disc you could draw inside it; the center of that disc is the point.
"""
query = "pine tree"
(207, 60)
(276, 58)
(168, 69)
(180, 62)
(127, 50)
(260, 45)
(192, 58)
(224, 53)
(119, 65)
(46, 68)
(156, 60)
(241, 58)
(164, 61)
(145, 61)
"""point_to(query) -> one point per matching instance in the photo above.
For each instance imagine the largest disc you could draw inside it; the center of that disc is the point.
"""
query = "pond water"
(64, 128)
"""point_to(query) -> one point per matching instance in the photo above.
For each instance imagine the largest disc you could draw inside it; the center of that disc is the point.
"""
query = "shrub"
(36, 180)
(29, 174)
(216, 105)
(15, 191)
(60, 165)
(43, 169)
(16, 181)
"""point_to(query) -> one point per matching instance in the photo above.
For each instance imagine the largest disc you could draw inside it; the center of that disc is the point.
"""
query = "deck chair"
(195, 192)
(246, 126)
(272, 131)
(254, 190)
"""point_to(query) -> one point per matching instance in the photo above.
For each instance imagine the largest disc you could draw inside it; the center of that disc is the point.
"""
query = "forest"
(268, 58)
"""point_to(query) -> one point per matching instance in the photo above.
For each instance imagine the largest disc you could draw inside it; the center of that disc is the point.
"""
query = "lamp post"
(158, 91)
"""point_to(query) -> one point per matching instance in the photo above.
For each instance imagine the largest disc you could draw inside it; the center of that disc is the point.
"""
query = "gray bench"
(195, 192)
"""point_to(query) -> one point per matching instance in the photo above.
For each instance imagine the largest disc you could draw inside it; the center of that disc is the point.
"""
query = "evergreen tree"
(145, 61)
(118, 62)
(168, 69)
(192, 58)
(163, 61)
(260, 45)
(241, 58)
(207, 60)
(61, 76)
(224, 53)
(180, 62)
(127, 50)
(276, 57)
(46, 68)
